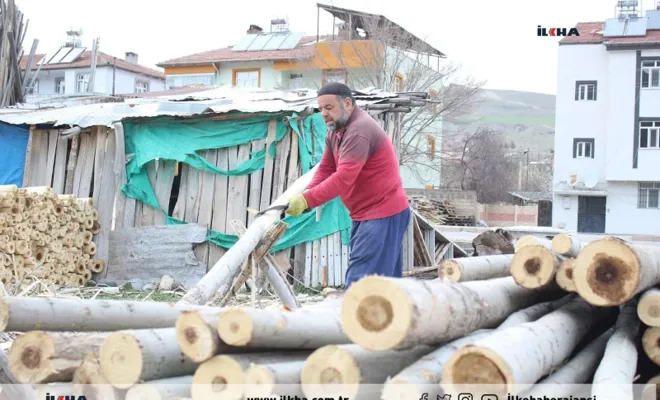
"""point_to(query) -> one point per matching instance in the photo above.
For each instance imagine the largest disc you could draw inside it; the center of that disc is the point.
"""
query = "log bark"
(651, 344)
(261, 379)
(219, 278)
(534, 266)
(609, 271)
(143, 355)
(161, 389)
(579, 370)
(382, 313)
(615, 374)
(564, 276)
(224, 375)
(89, 381)
(340, 370)
(476, 268)
(23, 314)
(527, 240)
(648, 308)
(298, 329)
(519, 356)
(567, 245)
(43, 357)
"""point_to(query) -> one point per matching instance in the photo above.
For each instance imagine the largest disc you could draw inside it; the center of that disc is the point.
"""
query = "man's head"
(336, 103)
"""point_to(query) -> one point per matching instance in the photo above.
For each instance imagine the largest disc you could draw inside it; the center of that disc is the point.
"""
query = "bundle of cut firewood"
(47, 236)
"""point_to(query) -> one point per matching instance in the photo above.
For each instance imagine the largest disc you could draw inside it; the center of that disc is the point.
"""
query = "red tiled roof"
(85, 61)
(227, 55)
(592, 33)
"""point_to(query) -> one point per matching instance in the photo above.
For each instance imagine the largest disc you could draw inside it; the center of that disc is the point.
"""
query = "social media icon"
(425, 396)
(489, 397)
(445, 397)
(465, 396)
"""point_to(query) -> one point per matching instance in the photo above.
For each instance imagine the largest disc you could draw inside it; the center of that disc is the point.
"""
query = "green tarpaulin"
(182, 140)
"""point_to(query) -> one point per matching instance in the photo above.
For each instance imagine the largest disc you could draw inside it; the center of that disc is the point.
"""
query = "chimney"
(131, 57)
(255, 29)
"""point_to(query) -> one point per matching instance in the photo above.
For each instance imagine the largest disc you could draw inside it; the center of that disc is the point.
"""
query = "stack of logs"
(440, 212)
(555, 312)
(47, 236)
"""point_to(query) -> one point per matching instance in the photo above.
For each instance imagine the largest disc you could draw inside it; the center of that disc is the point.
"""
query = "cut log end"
(533, 266)
(562, 244)
(525, 240)
(473, 365)
(235, 327)
(651, 344)
(259, 381)
(329, 367)
(376, 313)
(219, 377)
(29, 357)
(120, 357)
(143, 392)
(648, 308)
(565, 275)
(196, 338)
(4, 314)
(451, 271)
(606, 272)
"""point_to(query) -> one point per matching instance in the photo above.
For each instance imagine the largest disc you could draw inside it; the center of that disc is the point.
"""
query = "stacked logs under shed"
(440, 212)
(497, 320)
(47, 236)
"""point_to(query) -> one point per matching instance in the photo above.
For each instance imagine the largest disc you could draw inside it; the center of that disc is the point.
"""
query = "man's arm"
(353, 156)
(326, 166)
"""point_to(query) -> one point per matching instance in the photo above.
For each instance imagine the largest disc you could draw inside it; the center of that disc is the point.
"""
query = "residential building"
(353, 54)
(68, 70)
(607, 140)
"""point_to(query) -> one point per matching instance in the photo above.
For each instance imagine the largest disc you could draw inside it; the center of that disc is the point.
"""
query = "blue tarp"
(13, 144)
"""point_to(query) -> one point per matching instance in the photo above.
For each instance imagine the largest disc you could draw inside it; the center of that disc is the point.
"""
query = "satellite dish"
(591, 181)
(573, 180)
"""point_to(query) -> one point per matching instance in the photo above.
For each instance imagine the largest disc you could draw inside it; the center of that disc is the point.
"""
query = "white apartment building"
(607, 133)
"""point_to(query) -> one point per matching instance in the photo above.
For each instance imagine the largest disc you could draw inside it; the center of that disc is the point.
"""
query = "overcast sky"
(494, 40)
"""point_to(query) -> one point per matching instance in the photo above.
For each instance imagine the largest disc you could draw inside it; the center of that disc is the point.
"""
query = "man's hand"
(297, 205)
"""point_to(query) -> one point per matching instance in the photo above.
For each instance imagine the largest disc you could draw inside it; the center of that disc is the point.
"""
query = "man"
(359, 165)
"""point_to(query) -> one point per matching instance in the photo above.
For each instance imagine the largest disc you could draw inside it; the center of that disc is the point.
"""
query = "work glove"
(297, 205)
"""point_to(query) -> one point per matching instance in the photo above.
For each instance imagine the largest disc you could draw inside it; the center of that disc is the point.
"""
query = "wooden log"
(221, 275)
(578, 370)
(89, 378)
(382, 313)
(142, 355)
(43, 357)
(527, 240)
(261, 379)
(348, 366)
(567, 245)
(22, 314)
(534, 266)
(161, 389)
(651, 344)
(615, 375)
(299, 329)
(197, 335)
(519, 356)
(609, 271)
(224, 375)
(648, 308)
(476, 268)
(564, 275)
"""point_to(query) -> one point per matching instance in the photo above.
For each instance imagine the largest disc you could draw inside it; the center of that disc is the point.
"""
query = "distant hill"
(527, 118)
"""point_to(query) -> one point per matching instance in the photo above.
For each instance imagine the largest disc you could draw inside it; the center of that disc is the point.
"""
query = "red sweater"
(359, 165)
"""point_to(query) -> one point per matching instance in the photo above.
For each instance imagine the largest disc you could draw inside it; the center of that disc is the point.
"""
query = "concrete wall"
(508, 215)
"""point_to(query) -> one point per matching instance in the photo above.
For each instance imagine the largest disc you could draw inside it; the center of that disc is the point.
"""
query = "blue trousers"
(376, 247)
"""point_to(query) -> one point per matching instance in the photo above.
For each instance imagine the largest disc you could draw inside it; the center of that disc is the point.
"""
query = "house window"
(647, 194)
(335, 75)
(82, 83)
(34, 89)
(586, 90)
(59, 86)
(583, 148)
(141, 86)
(295, 81)
(247, 77)
(649, 135)
(430, 141)
(174, 81)
(651, 74)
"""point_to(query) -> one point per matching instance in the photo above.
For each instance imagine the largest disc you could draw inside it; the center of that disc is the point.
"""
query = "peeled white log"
(89, 378)
(218, 279)
(161, 389)
(651, 344)
(567, 245)
(534, 266)
(22, 314)
(382, 313)
(648, 308)
(651, 390)
(531, 240)
(299, 329)
(476, 268)
(350, 366)
(579, 370)
(520, 355)
(128, 357)
(615, 374)
(280, 286)
(609, 271)
(564, 276)
(261, 380)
